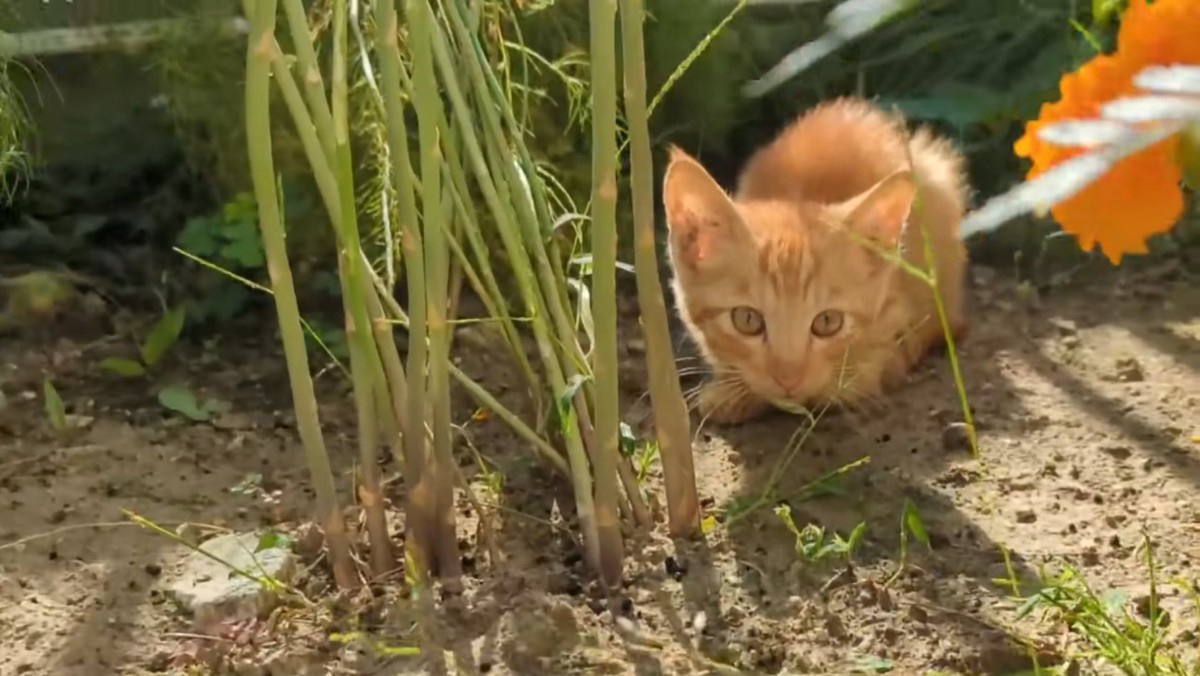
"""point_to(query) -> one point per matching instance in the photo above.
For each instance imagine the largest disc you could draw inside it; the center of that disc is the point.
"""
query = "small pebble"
(1129, 370)
(1026, 516)
(956, 437)
(1065, 327)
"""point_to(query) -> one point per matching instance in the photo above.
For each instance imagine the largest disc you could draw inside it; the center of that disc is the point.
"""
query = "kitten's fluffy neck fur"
(775, 284)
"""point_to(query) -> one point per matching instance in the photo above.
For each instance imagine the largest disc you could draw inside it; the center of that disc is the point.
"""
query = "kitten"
(787, 305)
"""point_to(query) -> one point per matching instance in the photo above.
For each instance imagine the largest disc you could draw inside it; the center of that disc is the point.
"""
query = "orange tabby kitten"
(789, 307)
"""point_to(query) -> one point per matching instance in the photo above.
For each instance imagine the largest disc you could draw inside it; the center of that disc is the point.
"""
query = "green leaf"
(856, 537)
(127, 368)
(246, 252)
(1104, 11)
(628, 440)
(56, 412)
(199, 237)
(915, 525)
(273, 540)
(874, 665)
(183, 401)
(216, 406)
(163, 336)
(1189, 155)
(566, 408)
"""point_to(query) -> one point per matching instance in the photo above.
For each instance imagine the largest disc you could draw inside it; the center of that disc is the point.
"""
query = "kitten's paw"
(727, 403)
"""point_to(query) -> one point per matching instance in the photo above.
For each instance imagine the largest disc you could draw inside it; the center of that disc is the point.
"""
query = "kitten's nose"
(789, 379)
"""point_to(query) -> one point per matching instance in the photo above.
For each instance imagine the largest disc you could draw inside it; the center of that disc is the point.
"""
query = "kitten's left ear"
(882, 210)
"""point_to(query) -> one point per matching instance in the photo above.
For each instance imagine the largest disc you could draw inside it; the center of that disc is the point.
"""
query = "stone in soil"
(215, 594)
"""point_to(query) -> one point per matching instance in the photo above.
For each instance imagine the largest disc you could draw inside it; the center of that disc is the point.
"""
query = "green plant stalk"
(602, 22)
(526, 202)
(486, 400)
(532, 208)
(506, 223)
(484, 273)
(488, 288)
(951, 351)
(371, 378)
(394, 415)
(671, 421)
(421, 504)
(370, 494)
(314, 84)
(437, 284)
(258, 133)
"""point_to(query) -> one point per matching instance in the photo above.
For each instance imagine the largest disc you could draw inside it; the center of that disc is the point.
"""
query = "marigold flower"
(1141, 196)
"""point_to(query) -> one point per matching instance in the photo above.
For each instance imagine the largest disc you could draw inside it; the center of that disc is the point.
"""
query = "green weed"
(814, 545)
(230, 240)
(1112, 629)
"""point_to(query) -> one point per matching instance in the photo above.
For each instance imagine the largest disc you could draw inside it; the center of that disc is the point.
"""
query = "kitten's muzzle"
(788, 380)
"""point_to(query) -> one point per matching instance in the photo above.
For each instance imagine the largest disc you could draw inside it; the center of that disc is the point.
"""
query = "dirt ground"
(1088, 404)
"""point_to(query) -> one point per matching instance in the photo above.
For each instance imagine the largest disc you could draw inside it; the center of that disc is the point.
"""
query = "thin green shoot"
(912, 524)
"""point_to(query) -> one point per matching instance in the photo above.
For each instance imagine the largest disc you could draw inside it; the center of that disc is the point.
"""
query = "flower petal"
(1138, 198)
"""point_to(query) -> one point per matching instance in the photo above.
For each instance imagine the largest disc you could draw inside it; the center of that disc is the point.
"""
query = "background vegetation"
(172, 140)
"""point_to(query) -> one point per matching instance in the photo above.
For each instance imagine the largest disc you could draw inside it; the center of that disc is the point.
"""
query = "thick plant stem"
(422, 502)
(671, 421)
(259, 52)
(370, 493)
(438, 470)
(310, 75)
(370, 377)
(602, 19)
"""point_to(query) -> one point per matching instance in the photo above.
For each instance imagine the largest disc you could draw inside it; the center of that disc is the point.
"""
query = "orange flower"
(1141, 195)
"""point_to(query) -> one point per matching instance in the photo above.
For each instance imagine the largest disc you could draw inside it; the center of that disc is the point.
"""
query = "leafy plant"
(56, 412)
(228, 240)
(162, 337)
(185, 402)
(814, 544)
(1133, 641)
(912, 524)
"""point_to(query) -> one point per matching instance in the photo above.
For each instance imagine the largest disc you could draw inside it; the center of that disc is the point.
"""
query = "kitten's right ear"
(701, 218)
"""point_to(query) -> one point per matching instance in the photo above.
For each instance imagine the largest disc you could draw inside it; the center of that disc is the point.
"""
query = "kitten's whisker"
(734, 389)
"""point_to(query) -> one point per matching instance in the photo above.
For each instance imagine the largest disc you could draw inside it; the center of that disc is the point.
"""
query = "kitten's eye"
(827, 323)
(747, 321)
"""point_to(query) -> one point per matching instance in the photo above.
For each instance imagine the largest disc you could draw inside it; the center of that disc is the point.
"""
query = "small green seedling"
(872, 664)
(183, 401)
(910, 523)
(814, 545)
(56, 412)
(162, 337)
(643, 453)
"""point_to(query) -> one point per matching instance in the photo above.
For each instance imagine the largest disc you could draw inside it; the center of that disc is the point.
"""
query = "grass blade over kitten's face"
(775, 284)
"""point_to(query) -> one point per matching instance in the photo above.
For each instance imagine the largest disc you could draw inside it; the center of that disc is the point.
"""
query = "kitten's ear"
(882, 210)
(702, 220)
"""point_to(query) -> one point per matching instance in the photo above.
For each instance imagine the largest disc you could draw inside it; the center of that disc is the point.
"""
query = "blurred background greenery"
(132, 152)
